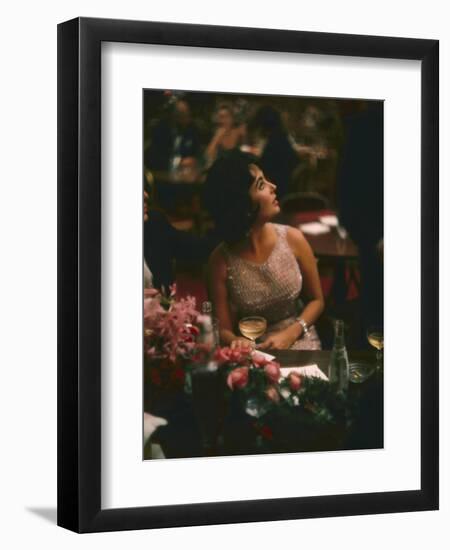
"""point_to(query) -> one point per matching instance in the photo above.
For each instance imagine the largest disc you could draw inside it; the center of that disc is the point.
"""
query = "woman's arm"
(310, 273)
(211, 149)
(219, 296)
(313, 290)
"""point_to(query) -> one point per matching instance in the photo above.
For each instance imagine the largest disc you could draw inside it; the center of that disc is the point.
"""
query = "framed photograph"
(222, 189)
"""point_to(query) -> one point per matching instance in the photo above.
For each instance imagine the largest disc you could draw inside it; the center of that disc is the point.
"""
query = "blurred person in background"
(174, 140)
(164, 244)
(360, 202)
(318, 136)
(278, 159)
(228, 134)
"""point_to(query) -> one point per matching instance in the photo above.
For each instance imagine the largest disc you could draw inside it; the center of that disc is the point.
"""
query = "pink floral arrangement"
(250, 372)
(169, 325)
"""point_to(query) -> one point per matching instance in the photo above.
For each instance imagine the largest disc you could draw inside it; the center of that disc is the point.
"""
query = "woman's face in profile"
(263, 193)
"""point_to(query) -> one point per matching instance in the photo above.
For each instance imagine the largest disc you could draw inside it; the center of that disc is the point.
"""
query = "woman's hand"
(241, 343)
(219, 134)
(282, 339)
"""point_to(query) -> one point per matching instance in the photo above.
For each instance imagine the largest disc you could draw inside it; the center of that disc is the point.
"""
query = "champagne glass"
(252, 327)
(376, 340)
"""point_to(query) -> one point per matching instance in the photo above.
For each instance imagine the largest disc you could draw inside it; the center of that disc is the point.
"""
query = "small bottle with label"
(339, 366)
(206, 325)
(213, 322)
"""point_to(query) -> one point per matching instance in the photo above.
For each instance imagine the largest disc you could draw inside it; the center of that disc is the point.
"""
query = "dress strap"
(283, 243)
(281, 230)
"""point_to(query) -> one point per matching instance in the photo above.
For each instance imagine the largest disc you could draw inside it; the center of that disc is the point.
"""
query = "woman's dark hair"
(226, 195)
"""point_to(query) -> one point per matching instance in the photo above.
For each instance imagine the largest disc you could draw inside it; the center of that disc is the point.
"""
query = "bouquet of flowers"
(171, 336)
(255, 376)
(289, 412)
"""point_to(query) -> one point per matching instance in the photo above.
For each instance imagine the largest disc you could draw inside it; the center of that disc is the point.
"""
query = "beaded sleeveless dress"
(270, 289)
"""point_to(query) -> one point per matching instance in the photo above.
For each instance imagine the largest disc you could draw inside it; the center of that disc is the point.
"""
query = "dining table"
(333, 248)
(212, 422)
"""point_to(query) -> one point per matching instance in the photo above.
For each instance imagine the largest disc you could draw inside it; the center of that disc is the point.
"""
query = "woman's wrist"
(296, 330)
(304, 325)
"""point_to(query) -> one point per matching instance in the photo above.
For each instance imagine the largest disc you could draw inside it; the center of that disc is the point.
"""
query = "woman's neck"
(258, 237)
(258, 245)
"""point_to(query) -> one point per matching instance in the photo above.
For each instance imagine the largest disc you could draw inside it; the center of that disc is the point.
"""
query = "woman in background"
(227, 137)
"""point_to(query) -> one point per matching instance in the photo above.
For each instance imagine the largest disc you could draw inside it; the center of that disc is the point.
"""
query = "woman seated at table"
(261, 267)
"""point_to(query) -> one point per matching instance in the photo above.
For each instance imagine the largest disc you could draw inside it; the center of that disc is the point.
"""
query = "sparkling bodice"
(270, 289)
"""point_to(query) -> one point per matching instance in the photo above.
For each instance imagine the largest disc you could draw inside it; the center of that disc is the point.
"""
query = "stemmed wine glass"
(252, 327)
(376, 340)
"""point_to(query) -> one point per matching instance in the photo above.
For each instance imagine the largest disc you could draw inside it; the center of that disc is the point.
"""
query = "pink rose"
(235, 355)
(259, 360)
(238, 378)
(272, 371)
(273, 394)
(228, 355)
(222, 355)
(295, 381)
(239, 355)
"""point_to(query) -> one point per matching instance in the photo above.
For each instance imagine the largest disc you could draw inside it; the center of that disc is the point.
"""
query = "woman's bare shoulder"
(217, 260)
(294, 235)
(218, 253)
(297, 240)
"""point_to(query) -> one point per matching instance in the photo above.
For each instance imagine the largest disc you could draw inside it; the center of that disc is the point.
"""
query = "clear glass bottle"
(207, 310)
(339, 366)
(205, 384)
(206, 325)
(206, 338)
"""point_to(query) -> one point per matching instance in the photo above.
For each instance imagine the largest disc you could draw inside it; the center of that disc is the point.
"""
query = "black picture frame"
(79, 274)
